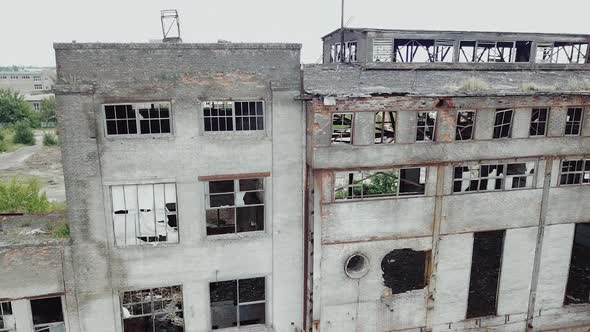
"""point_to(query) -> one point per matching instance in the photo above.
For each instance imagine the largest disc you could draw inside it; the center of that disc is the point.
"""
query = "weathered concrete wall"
(185, 75)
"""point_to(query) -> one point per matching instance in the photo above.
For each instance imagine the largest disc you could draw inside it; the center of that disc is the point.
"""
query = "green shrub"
(60, 230)
(50, 139)
(23, 133)
(23, 196)
(3, 145)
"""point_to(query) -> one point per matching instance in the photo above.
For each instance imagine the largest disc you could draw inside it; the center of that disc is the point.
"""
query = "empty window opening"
(503, 123)
(573, 121)
(492, 177)
(523, 51)
(233, 115)
(237, 303)
(144, 213)
(150, 118)
(47, 315)
(385, 127)
(578, 282)
(153, 310)
(562, 52)
(495, 51)
(350, 51)
(575, 172)
(7, 321)
(356, 266)
(465, 123)
(379, 183)
(235, 206)
(486, 262)
(539, 117)
(342, 128)
(405, 270)
(382, 50)
(422, 50)
(467, 51)
(425, 126)
(334, 53)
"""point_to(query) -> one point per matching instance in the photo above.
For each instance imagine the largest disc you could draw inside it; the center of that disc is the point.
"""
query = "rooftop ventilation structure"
(170, 26)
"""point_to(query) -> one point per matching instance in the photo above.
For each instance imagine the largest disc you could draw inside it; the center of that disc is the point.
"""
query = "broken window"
(495, 51)
(150, 118)
(561, 52)
(425, 126)
(144, 213)
(503, 123)
(466, 51)
(422, 50)
(47, 315)
(7, 322)
(485, 273)
(153, 310)
(465, 123)
(236, 303)
(405, 270)
(539, 118)
(233, 115)
(334, 53)
(342, 128)
(385, 127)
(382, 50)
(578, 282)
(350, 51)
(575, 172)
(573, 121)
(235, 206)
(379, 183)
(494, 177)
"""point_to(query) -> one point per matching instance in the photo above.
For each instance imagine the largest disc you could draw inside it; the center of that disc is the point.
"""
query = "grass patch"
(18, 195)
(50, 139)
(60, 230)
(7, 142)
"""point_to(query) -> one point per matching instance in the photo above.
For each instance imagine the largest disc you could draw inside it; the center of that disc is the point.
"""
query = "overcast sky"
(29, 27)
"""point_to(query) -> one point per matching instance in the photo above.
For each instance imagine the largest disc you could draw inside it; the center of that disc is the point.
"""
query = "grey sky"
(31, 26)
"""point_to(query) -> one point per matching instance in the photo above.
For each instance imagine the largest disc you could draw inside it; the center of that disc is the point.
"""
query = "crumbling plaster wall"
(186, 75)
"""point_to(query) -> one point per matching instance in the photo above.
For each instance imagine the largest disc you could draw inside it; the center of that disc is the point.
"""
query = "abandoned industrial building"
(414, 181)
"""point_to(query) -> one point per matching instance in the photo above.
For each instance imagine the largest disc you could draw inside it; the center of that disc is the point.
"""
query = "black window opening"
(578, 282)
(385, 125)
(138, 118)
(575, 172)
(425, 126)
(233, 115)
(236, 303)
(539, 117)
(485, 273)
(235, 206)
(405, 270)
(503, 123)
(465, 124)
(153, 310)
(573, 122)
(47, 314)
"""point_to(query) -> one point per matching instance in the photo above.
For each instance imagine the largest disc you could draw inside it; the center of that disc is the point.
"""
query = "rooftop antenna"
(342, 33)
(170, 26)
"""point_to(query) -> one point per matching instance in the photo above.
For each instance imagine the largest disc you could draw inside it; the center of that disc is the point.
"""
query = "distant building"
(35, 99)
(28, 81)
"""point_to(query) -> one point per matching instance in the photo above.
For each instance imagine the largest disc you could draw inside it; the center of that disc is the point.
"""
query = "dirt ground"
(38, 161)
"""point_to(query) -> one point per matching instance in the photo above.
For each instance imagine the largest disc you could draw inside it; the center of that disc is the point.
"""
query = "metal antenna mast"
(342, 33)
(170, 25)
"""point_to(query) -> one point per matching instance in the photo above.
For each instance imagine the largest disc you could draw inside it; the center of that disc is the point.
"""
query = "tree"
(14, 108)
(47, 113)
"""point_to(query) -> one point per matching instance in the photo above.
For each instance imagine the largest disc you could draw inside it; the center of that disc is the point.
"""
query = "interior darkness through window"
(578, 282)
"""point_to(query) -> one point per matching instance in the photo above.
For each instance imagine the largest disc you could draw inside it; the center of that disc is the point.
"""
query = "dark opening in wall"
(405, 270)
(47, 313)
(578, 282)
(485, 273)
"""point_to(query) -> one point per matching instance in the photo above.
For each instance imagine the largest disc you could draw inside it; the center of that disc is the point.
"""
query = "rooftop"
(151, 46)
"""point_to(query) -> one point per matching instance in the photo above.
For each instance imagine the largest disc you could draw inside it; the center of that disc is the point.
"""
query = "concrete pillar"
(484, 124)
(406, 127)
(322, 127)
(521, 123)
(21, 309)
(556, 125)
(446, 122)
(364, 128)
(586, 122)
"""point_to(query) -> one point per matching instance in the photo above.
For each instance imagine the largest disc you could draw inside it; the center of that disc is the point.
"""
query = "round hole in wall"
(356, 266)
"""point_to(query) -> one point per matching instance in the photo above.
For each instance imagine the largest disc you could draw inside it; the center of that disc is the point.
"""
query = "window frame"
(426, 126)
(582, 172)
(137, 120)
(572, 123)
(381, 42)
(382, 124)
(332, 141)
(152, 314)
(472, 125)
(502, 177)
(45, 325)
(546, 126)
(37, 86)
(233, 116)
(510, 124)
(2, 315)
(238, 304)
(235, 206)
(397, 194)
